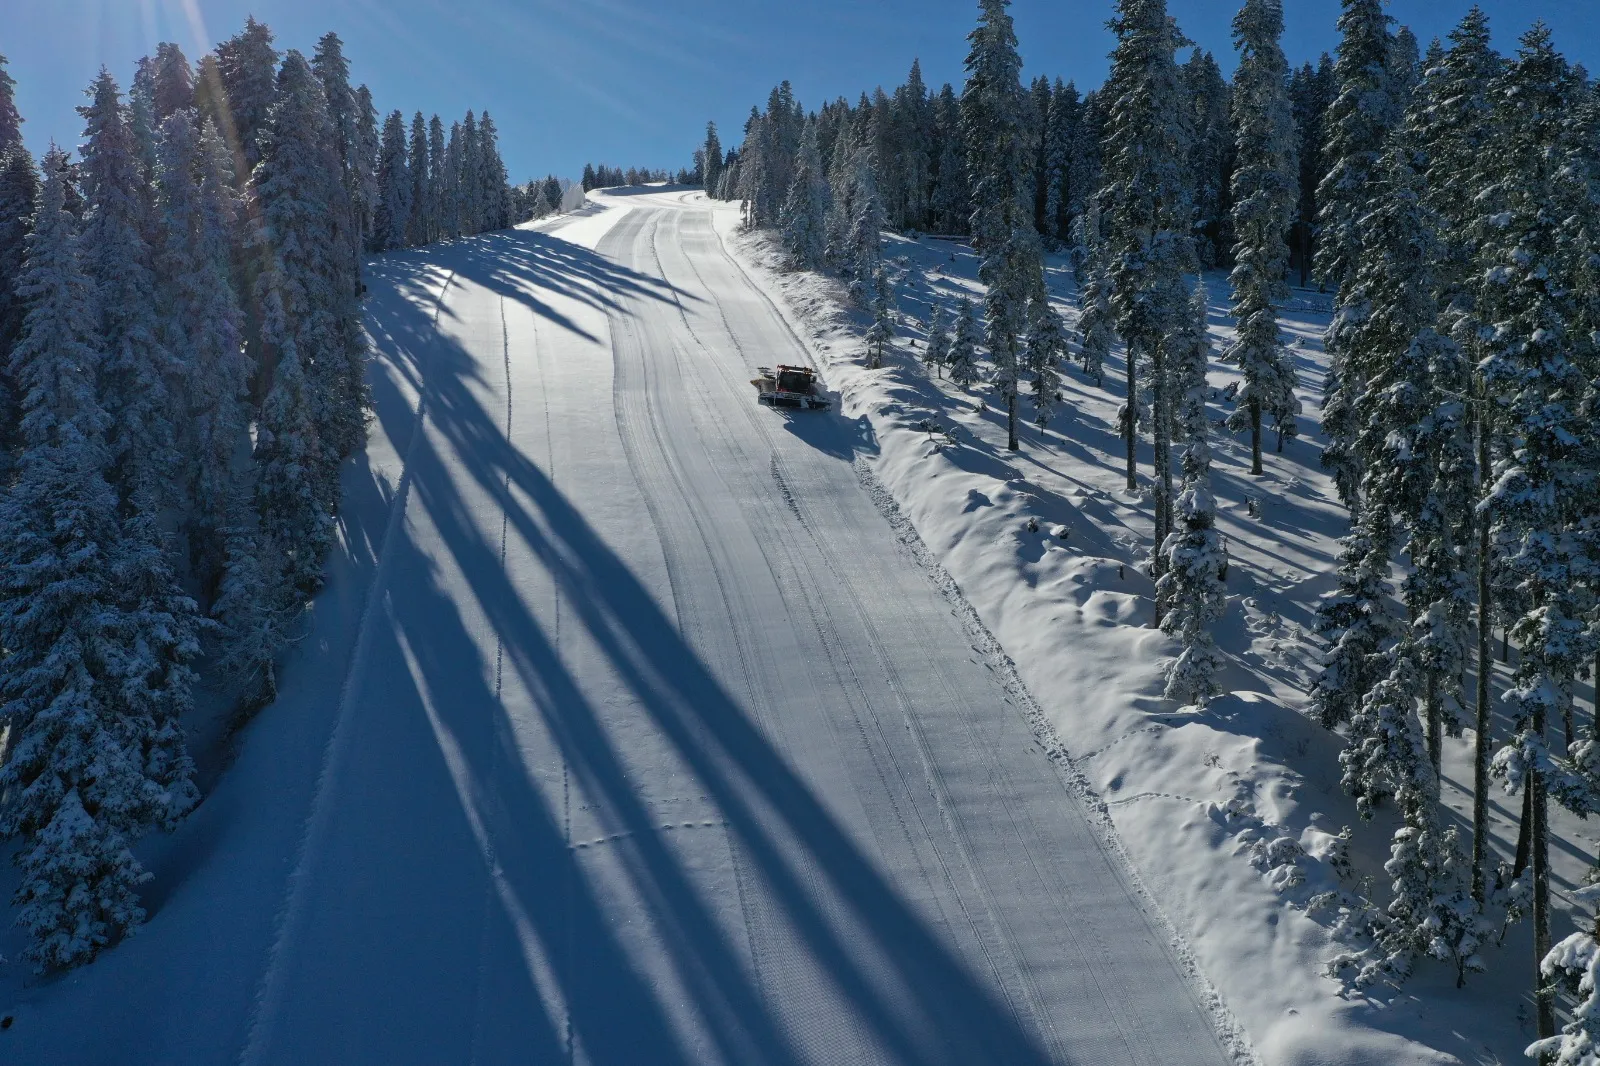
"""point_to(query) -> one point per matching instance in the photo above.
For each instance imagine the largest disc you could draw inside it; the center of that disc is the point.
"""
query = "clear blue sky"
(632, 82)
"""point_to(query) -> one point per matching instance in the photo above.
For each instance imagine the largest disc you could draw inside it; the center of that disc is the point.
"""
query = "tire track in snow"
(269, 993)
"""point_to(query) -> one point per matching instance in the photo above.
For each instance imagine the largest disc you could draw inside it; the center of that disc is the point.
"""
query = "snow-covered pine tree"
(1086, 153)
(1047, 345)
(95, 673)
(1145, 200)
(420, 223)
(315, 316)
(141, 120)
(1431, 913)
(1356, 620)
(1263, 204)
(438, 178)
(713, 159)
(10, 119)
(364, 201)
(805, 209)
(880, 336)
(247, 67)
(202, 327)
(1453, 121)
(1405, 65)
(139, 380)
(394, 187)
(998, 161)
(345, 117)
(254, 607)
(171, 82)
(491, 178)
(1211, 159)
(1192, 586)
(952, 189)
(1534, 369)
(468, 176)
(19, 189)
(1574, 966)
(450, 204)
(938, 350)
(1096, 317)
(863, 254)
(1311, 90)
(963, 358)
(841, 201)
(913, 145)
(1061, 191)
(294, 519)
(1356, 126)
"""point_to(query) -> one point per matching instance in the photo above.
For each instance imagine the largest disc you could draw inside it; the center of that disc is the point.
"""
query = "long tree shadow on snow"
(918, 1000)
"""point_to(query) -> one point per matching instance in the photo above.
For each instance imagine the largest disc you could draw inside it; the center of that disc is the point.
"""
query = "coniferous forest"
(1448, 200)
(182, 361)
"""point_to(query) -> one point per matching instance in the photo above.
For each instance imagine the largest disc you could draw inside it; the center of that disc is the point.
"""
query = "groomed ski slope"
(630, 730)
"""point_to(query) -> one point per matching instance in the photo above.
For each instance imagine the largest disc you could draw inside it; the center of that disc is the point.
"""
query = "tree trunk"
(1435, 729)
(1505, 644)
(1130, 431)
(1480, 751)
(1524, 835)
(1255, 437)
(1161, 436)
(1011, 420)
(1541, 888)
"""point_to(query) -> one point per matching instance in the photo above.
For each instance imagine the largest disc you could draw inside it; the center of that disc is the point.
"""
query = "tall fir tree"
(998, 159)
(1047, 344)
(1263, 205)
(344, 117)
(1455, 127)
(19, 189)
(1364, 110)
(367, 144)
(139, 379)
(247, 67)
(438, 179)
(1145, 199)
(491, 177)
(1534, 369)
(805, 209)
(419, 226)
(1210, 158)
(10, 118)
(1193, 581)
(394, 187)
(310, 327)
(202, 328)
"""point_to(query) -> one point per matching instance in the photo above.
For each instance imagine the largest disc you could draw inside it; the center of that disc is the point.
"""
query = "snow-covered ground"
(1230, 815)
(637, 724)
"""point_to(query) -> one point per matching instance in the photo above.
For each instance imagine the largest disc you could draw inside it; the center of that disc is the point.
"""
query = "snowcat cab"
(789, 386)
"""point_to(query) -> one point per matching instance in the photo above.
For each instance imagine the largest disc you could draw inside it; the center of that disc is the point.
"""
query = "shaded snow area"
(1232, 816)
